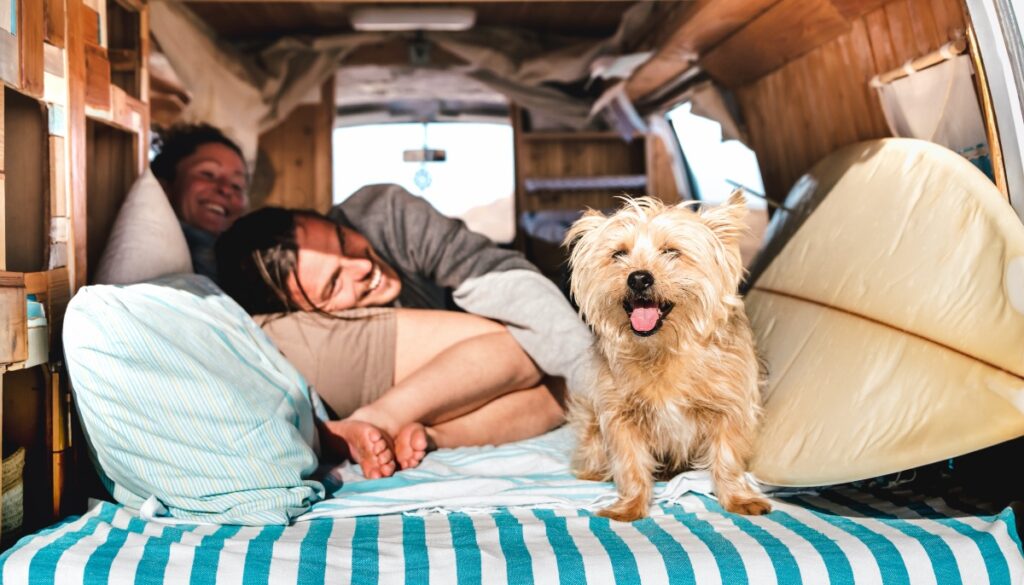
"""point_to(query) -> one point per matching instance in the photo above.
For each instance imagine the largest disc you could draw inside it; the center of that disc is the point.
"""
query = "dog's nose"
(640, 280)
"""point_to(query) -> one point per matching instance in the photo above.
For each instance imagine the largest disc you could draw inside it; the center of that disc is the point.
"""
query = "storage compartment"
(111, 170)
(123, 48)
(26, 190)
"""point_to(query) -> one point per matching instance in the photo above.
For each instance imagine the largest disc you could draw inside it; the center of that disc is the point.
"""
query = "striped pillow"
(187, 404)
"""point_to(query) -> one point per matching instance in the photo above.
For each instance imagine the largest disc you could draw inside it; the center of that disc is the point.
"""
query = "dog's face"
(650, 268)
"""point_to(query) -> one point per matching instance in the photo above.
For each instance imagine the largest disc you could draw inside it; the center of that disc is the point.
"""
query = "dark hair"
(181, 141)
(257, 255)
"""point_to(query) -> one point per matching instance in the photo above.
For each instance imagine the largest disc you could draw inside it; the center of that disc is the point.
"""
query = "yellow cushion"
(892, 321)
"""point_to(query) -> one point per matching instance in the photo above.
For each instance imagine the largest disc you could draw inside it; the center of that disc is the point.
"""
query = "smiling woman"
(206, 180)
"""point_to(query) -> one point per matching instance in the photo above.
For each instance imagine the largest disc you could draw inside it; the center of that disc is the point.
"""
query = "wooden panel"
(323, 162)
(661, 182)
(31, 30)
(785, 31)
(699, 27)
(2, 136)
(299, 150)
(77, 140)
(90, 21)
(97, 77)
(58, 193)
(26, 174)
(55, 19)
(13, 319)
(10, 63)
(821, 101)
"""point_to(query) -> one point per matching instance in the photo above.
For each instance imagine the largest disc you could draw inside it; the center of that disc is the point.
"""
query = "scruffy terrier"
(678, 379)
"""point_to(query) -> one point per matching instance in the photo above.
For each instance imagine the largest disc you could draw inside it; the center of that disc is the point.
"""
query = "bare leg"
(511, 417)
(446, 365)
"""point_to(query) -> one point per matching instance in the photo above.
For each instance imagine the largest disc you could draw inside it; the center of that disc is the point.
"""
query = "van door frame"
(998, 33)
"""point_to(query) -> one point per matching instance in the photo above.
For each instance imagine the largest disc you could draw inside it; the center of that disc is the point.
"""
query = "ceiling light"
(420, 18)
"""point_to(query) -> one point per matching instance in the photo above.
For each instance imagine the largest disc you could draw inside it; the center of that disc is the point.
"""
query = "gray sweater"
(435, 255)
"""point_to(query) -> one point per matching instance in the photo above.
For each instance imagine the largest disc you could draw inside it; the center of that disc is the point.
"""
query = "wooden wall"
(821, 101)
(298, 151)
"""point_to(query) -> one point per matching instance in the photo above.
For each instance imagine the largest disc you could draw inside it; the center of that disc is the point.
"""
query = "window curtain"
(939, 104)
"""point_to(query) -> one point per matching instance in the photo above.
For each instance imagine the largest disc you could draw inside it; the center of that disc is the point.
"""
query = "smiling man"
(206, 180)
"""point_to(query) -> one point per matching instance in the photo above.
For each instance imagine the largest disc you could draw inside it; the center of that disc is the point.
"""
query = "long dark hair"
(257, 256)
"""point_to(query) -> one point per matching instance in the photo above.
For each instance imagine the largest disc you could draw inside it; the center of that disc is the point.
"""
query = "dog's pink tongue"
(644, 318)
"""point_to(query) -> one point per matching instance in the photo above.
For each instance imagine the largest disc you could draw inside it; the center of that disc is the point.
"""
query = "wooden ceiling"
(257, 21)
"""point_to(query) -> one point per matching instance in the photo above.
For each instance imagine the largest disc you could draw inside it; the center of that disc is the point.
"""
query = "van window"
(716, 166)
(475, 182)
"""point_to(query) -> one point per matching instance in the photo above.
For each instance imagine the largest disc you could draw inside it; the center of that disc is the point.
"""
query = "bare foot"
(412, 443)
(367, 445)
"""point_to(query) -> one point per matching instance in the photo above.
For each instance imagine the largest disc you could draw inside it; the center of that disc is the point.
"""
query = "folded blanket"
(534, 472)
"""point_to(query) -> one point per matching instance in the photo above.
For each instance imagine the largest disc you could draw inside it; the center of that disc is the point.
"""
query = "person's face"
(209, 189)
(338, 269)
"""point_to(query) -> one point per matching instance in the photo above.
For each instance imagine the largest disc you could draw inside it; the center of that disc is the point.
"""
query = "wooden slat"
(53, 60)
(901, 30)
(783, 32)
(97, 77)
(700, 27)
(10, 63)
(851, 9)
(58, 193)
(77, 141)
(877, 24)
(323, 162)
(3, 217)
(2, 140)
(661, 182)
(55, 22)
(13, 319)
(90, 26)
(31, 30)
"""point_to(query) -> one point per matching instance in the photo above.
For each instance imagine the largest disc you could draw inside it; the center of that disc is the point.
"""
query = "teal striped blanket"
(844, 536)
(513, 514)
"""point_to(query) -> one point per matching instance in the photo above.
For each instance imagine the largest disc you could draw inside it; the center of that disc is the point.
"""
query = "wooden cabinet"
(73, 136)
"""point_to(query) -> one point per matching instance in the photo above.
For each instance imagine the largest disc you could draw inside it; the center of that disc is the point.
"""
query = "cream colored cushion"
(892, 321)
(146, 240)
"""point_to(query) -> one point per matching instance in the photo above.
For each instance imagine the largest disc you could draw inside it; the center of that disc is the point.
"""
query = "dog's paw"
(591, 475)
(624, 511)
(748, 506)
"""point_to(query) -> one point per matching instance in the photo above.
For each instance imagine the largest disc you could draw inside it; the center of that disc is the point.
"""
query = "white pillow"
(146, 241)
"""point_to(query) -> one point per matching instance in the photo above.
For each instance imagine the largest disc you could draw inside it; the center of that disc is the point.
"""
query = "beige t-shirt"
(347, 357)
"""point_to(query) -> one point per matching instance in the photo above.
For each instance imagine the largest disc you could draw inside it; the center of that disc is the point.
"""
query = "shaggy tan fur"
(685, 394)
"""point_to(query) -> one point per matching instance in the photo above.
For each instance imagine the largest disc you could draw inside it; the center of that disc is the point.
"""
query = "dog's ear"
(727, 220)
(587, 222)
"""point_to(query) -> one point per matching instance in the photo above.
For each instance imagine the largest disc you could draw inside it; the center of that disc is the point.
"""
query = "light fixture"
(396, 18)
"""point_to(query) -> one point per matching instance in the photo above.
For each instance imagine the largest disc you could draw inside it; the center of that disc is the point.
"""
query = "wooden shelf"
(565, 136)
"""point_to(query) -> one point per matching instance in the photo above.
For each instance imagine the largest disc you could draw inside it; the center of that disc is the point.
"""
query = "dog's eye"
(618, 254)
(670, 252)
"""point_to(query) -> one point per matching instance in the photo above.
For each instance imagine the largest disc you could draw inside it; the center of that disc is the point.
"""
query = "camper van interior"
(156, 429)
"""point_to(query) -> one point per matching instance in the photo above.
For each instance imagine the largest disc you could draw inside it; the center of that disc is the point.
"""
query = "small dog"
(678, 385)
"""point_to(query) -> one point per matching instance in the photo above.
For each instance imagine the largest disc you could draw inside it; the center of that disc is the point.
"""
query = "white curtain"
(939, 104)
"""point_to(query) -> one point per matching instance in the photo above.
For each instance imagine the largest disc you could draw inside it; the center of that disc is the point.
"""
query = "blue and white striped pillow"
(183, 398)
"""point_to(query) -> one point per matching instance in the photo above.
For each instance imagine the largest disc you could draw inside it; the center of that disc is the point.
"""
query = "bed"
(444, 523)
